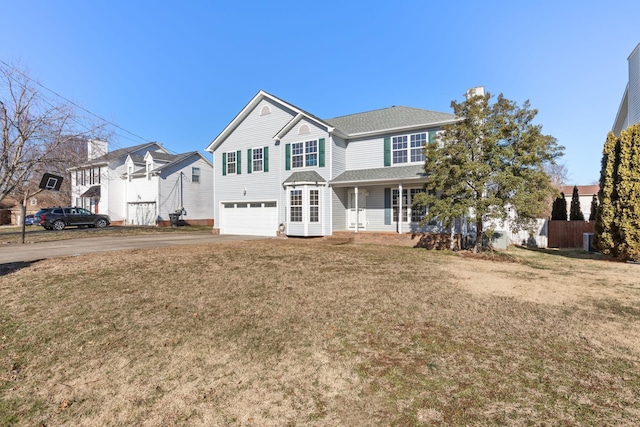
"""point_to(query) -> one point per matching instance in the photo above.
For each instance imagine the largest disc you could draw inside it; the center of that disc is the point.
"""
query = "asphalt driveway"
(36, 251)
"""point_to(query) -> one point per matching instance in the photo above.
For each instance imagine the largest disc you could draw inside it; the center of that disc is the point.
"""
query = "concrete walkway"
(36, 251)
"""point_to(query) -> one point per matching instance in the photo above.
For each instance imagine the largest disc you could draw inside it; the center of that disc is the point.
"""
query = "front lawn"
(300, 332)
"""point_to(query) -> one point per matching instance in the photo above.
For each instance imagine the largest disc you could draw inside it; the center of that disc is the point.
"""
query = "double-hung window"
(399, 149)
(304, 154)
(257, 160)
(314, 206)
(311, 153)
(417, 142)
(408, 212)
(296, 205)
(416, 213)
(408, 148)
(195, 175)
(297, 154)
(231, 162)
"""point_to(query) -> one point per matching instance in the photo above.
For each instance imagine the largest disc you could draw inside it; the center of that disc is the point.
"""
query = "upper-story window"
(231, 162)
(408, 148)
(304, 154)
(257, 160)
(195, 175)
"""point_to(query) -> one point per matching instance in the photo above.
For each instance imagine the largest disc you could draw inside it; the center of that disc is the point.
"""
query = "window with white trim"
(195, 175)
(409, 214)
(257, 160)
(296, 205)
(314, 206)
(408, 148)
(304, 154)
(231, 162)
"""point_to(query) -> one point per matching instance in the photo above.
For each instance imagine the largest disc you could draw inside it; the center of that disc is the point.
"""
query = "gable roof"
(353, 125)
(247, 110)
(388, 119)
(117, 154)
(583, 190)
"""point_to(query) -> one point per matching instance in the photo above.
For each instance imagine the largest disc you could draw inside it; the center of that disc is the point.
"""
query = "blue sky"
(179, 72)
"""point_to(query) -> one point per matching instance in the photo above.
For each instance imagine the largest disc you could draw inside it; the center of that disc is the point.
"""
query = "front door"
(360, 212)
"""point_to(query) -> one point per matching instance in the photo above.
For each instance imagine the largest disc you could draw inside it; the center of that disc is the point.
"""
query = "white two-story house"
(280, 169)
(143, 184)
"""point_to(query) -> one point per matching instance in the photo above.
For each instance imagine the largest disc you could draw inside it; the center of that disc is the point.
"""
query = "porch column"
(400, 202)
(357, 210)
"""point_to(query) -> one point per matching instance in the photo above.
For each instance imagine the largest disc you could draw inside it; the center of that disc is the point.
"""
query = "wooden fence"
(568, 234)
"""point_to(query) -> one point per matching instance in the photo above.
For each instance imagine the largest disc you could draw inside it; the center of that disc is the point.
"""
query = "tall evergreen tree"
(594, 208)
(628, 211)
(559, 210)
(575, 213)
(606, 228)
(490, 161)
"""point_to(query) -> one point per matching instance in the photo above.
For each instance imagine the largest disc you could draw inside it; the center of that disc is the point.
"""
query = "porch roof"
(398, 174)
(93, 191)
(304, 177)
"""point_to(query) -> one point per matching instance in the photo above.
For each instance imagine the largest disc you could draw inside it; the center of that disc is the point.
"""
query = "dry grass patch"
(301, 333)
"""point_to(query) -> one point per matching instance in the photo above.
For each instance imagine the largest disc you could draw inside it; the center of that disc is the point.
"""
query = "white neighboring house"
(629, 110)
(143, 184)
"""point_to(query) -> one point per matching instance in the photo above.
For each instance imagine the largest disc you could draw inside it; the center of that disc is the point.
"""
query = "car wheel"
(101, 223)
(58, 225)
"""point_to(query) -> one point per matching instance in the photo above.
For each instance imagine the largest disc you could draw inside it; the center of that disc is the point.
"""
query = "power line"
(73, 103)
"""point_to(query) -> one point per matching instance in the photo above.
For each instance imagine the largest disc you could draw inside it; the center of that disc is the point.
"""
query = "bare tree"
(38, 133)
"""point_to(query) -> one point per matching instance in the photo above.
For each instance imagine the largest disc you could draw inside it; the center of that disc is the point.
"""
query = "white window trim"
(193, 169)
(406, 208)
(235, 163)
(407, 150)
(306, 155)
(253, 165)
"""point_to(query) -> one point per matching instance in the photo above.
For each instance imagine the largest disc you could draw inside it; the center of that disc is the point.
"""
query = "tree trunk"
(478, 246)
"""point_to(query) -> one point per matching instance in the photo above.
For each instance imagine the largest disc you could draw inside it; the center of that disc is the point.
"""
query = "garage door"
(143, 213)
(249, 218)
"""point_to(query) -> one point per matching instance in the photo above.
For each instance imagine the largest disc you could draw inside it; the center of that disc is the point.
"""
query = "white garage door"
(249, 218)
(143, 213)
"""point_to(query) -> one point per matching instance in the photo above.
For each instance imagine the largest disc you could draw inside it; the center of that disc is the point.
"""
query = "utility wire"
(73, 103)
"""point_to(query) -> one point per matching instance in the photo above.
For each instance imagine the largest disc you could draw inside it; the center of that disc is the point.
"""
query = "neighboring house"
(585, 195)
(629, 111)
(143, 184)
(282, 169)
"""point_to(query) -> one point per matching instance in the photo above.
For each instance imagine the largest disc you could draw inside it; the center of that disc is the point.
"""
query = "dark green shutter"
(321, 152)
(287, 157)
(238, 162)
(249, 159)
(387, 151)
(224, 164)
(387, 206)
(265, 157)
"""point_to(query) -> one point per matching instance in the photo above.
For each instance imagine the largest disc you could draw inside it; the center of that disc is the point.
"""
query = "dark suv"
(59, 218)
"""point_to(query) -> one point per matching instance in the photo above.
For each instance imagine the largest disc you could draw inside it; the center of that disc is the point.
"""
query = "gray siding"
(338, 156)
(339, 217)
(634, 88)
(254, 131)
